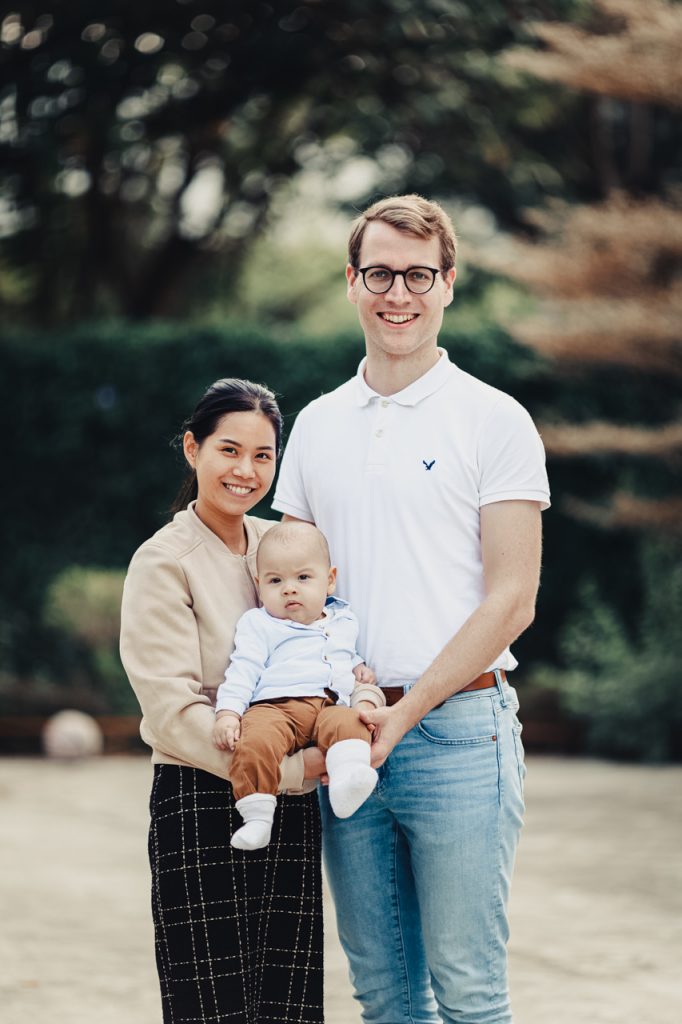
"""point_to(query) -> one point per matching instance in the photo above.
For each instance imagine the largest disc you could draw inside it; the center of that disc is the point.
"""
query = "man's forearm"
(498, 621)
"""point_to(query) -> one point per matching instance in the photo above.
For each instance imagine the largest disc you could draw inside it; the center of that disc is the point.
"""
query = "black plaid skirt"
(238, 933)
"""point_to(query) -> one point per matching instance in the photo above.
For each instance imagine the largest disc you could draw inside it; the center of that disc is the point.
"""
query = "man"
(428, 485)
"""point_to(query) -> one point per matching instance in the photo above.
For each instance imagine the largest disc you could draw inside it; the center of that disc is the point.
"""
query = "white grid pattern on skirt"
(238, 933)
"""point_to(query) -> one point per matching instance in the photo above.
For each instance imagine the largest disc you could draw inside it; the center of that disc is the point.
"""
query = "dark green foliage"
(625, 684)
(91, 473)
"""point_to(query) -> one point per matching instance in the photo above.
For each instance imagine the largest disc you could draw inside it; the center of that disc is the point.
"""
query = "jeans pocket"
(460, 722)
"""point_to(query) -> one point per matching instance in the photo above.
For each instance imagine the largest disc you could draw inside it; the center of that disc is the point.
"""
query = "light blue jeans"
(421, 872)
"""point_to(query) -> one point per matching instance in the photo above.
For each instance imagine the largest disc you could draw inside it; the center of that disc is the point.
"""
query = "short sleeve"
(290, 495)
(511, 457)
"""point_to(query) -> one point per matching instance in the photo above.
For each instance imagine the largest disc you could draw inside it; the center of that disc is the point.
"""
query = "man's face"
(399, 323)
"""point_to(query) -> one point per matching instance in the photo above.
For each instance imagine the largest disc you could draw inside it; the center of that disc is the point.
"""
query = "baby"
(289, 682)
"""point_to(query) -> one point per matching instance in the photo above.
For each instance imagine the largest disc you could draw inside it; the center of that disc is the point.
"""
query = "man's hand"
(364, 674)
(388, 726)
(226, 730)
(314, 766)
(365, 705)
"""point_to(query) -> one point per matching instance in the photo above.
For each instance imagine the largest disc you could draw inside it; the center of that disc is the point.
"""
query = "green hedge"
(91, 474)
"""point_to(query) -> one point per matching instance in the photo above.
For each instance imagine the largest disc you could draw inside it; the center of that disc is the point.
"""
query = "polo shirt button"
(385, 403)
(378, 433)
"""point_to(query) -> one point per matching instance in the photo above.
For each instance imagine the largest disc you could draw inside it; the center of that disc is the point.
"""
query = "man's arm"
(511, 543)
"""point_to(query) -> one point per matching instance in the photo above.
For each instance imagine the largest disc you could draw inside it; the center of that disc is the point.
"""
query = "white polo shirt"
(396, 484)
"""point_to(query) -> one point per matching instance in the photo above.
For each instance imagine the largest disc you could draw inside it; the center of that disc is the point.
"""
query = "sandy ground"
(596, 911)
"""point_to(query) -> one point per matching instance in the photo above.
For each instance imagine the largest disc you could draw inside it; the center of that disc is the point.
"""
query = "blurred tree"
(85, 603)
(608, 276)
(141, 144)
(624, 683)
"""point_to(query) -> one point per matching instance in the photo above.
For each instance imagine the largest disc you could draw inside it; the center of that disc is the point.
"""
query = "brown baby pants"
(272, 729)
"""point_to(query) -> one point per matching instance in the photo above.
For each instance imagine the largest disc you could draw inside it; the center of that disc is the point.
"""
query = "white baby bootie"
(258, 811)
(351, 777)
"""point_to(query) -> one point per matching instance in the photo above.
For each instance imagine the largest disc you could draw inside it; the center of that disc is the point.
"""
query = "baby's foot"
(252, 836)
(258, 811)
(350, 787)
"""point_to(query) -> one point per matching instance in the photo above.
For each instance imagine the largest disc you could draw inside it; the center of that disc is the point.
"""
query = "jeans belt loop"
(500, 687)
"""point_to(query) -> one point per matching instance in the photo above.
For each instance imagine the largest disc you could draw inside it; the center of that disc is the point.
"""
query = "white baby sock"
(258, 811)
(351, 778)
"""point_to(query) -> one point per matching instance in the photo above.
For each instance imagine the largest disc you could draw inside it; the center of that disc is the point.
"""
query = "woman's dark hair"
(224, 396)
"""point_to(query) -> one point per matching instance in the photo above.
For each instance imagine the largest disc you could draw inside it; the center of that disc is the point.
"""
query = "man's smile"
(398, 318)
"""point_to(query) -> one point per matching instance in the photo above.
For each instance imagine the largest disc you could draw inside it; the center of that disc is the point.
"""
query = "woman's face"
(235, 465)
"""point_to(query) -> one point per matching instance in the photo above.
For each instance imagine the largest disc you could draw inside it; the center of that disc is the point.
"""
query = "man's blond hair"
(415, 216)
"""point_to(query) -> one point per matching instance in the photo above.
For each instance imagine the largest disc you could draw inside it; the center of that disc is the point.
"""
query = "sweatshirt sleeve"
(246, 665)
(161, 655)
(370, 692)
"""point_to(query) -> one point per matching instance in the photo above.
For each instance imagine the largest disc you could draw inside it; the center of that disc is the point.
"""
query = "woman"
(238, 935)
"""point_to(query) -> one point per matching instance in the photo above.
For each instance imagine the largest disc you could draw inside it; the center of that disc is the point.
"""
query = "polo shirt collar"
(415, 392)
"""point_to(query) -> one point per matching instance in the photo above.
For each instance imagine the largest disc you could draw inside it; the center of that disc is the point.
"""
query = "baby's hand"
(364, 674)
(226, 730)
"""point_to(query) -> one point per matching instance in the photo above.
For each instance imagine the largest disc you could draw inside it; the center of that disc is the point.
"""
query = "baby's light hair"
(289, 533)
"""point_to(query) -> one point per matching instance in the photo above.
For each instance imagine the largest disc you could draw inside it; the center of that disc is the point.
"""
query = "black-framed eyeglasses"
(378, 280)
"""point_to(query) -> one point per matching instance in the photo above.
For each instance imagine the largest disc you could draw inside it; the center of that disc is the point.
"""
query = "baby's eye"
(275, 579)
(304, 576)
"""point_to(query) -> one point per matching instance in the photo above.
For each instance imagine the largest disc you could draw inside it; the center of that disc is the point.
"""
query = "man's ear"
(331, 581)
(449, 278)
(352, 277)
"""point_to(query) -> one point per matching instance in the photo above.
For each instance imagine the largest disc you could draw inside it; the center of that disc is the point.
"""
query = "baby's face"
(294, 581)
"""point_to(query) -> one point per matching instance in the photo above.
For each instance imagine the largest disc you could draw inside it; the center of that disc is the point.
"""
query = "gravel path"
(596, 911)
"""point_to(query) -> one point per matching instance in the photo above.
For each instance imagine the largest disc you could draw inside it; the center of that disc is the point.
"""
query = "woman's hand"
(314, 766)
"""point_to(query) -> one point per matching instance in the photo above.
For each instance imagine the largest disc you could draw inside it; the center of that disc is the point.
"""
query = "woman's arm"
(161, 654)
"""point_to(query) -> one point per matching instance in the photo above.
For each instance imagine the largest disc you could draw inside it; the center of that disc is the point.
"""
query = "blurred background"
(177, 181)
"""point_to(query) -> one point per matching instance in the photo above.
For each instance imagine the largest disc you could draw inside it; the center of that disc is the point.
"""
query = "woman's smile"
(239, 489)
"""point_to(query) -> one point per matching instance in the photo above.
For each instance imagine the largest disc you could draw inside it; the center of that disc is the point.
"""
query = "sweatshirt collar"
(213, 539)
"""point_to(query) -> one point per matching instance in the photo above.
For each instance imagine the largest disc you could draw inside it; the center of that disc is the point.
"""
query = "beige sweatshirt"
(184, 592)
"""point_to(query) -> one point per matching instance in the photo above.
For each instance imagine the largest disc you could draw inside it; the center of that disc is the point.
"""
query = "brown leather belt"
(395, 693)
